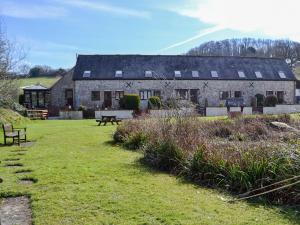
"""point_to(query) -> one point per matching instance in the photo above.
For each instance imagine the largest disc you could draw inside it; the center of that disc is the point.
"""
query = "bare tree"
(285, 49)
(10, 58)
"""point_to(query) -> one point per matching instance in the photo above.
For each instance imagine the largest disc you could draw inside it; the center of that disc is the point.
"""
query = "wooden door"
(107, 99)
(194, 96)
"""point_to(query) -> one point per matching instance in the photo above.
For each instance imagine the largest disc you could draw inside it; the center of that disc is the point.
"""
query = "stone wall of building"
(58, 90)
(208, 90)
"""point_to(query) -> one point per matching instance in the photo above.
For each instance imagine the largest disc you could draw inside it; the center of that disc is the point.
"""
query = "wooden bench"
(37, 114)
(106, 119)
(14, 133)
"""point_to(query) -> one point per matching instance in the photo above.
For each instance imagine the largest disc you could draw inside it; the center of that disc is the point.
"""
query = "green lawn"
(83, 179)
(46, 81)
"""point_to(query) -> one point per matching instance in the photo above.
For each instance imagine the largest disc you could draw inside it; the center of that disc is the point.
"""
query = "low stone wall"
(70, 115)
(282, 109)
(169, 113)
(222, 111)
(121, 114)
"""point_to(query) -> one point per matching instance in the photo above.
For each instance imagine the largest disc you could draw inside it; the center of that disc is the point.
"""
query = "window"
(241, 74)
(177, 73)
(119, 73)
(145, 94)
(282, 74)
(148, 73)
(258, 74)
(269, 93)
(86, 74)
(119, 95)
(182, 94)
(27, 98)
(195, 73)
(95, 95)
(237, 94)
(280, 97)
(224, 95)
(214, 74)
(157, 93)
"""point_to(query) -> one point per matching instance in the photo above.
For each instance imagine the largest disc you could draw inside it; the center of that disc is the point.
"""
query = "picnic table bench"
(106, 119)
(37, 114)
(17, 134)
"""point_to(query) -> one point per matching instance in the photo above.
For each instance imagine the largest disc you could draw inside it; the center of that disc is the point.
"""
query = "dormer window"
(148, 73)
(214, 74)
(258, 74)
(119, 73)
(241, 74)
(282, 74)
(86, 74)
(195, 73)
(177, 73)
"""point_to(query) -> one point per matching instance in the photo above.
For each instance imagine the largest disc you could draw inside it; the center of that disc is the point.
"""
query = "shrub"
(154, 102)
(237, 155)
(271, 101)
(131, 101)
(81, 108)
(135, 141)
(164, 155)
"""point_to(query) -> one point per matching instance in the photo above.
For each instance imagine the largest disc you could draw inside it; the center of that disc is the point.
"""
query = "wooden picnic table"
(105, 119)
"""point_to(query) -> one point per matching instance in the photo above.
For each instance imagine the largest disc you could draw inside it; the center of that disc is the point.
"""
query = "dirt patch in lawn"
(15, 211)
(23, 171)
(11, 159)
(13, 165)
(28, 180)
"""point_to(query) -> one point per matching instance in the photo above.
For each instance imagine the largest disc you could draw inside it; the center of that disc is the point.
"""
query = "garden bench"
(105, 119)
(17, 134)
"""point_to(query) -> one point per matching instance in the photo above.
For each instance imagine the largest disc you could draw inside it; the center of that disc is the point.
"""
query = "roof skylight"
(177, 73)
(258, 74)
(86, 74)
(148, 73)
(241, 74)
(119, 73)
(195, 73)
(214, 74)
(282, 74)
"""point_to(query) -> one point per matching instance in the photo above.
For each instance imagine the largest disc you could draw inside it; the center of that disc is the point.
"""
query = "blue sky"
(53, 32)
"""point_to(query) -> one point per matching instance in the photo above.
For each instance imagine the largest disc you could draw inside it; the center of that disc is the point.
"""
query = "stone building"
(99, 81)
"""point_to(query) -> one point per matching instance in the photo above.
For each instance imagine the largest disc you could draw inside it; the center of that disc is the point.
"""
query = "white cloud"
(105, 7)
(30, 11)
(275, 18)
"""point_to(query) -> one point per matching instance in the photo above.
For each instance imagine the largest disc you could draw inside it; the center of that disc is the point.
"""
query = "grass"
(46, 81)
(84, 179)
(9, 116)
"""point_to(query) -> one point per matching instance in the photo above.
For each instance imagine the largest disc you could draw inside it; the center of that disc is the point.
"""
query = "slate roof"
(36, 87)
(103, 67)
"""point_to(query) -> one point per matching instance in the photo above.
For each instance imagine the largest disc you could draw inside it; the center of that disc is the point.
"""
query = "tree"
(10, 59)
(250, 47)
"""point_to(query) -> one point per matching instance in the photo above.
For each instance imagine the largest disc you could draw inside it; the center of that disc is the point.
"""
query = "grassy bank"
(84, 179)
(238, 155)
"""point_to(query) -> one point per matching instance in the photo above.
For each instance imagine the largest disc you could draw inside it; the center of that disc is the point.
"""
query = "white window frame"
(269, 94)
(119, 73)
(118, 94)
(145, 94)
(195, 73)
(148, 73)
(177, 73)
(241, 74)
(214, 74)
(86, 74)
(281, 74)
(258, 74)
(179, 96)
(221, 95)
